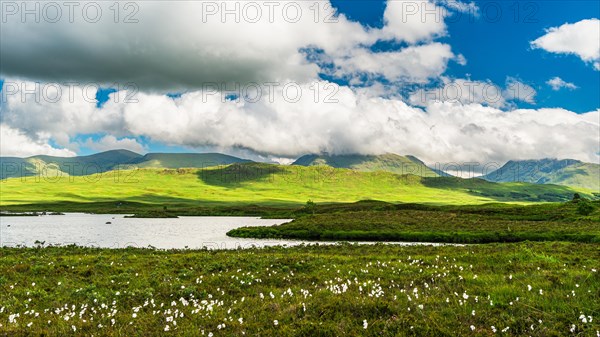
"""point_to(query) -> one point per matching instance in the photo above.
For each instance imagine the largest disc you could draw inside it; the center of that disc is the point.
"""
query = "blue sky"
(378, 65)
(497, 46)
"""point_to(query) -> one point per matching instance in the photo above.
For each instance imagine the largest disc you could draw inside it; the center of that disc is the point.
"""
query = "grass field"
(571, 221)
(263, 184)
(527, 289)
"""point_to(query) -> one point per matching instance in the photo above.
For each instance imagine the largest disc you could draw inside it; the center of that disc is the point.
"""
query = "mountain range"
(107, 161)
(567, 172)
(371, 163)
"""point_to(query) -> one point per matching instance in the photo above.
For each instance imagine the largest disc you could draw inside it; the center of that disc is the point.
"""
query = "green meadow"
(577, 221)
(525, 289)
(264, 184)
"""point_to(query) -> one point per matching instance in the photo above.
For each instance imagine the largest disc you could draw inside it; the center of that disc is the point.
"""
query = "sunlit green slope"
(268, 184)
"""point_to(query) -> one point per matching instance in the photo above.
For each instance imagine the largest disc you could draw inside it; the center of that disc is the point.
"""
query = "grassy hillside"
(265, 184)
(49, 166)
(566, 172)
(585, 175)
(367, 163)
(435, 170)
(16, 167)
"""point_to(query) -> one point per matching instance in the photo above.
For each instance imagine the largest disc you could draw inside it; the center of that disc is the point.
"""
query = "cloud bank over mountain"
(353, 123)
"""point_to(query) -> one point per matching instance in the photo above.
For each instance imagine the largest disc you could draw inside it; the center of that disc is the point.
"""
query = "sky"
(444, 80)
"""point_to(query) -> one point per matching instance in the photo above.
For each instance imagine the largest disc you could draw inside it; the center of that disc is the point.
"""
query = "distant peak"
(113, 153)
(545, 160)
(123, 151)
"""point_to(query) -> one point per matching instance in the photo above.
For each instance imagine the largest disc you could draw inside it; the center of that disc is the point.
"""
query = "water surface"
(117, 231)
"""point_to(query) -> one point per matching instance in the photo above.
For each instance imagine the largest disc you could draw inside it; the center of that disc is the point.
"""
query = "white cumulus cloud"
(352, 122)
(558, 83)
(517, 90)
(467, 91)
(413, 21)
(415, 64)
(15, 143)
(581, 38)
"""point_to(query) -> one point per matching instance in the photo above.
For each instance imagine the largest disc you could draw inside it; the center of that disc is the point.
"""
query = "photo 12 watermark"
(66, 92)
(267, 11)
(69, 11)
(254, 92)
(67, 171)
(236, 173)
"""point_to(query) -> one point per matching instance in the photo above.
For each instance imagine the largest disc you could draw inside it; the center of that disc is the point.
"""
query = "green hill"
(371, 163)
(15, 167)
(567, 172)
(420, 162)
(183, 160)
(49, 166)
(266, 184)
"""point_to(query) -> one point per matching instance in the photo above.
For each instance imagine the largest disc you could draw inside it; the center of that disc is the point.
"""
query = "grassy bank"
(577, 222)
(537, 289)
